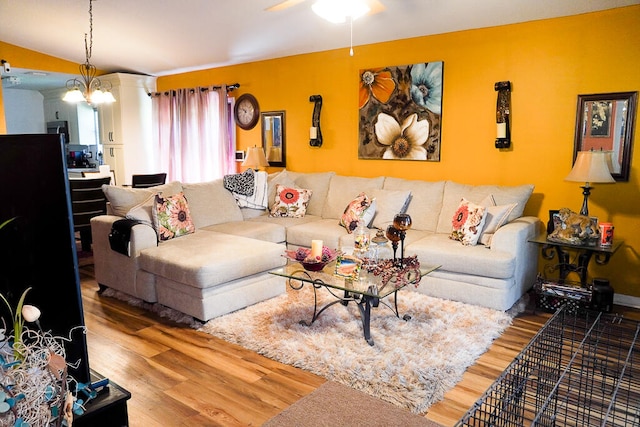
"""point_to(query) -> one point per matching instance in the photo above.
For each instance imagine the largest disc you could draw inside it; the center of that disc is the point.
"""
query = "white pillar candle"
(316, 249)
(313, 133)
(502, 130)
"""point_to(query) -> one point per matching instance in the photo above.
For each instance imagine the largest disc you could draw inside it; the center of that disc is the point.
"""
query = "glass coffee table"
(367, 291)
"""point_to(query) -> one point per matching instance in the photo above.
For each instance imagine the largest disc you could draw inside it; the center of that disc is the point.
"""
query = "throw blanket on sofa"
(121, 235)
(240, 183)
(258, 200)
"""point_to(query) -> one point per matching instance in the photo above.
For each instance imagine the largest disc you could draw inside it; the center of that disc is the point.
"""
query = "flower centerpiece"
(303, 256)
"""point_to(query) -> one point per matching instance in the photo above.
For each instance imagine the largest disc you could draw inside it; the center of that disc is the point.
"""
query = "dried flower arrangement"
(391, 271)
(36, 388)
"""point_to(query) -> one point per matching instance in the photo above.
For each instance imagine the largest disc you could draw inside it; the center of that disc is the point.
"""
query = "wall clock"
(247, 111)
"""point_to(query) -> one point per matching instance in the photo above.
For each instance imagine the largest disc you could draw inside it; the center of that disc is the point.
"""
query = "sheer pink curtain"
(192, 134)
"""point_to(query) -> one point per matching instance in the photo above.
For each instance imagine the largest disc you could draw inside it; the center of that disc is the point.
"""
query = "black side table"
(108, 409)
(601, 254)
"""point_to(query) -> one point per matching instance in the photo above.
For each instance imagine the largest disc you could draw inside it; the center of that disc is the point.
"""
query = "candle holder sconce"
(503, 111)
(393, 234)
(315, 134)
(402, 222)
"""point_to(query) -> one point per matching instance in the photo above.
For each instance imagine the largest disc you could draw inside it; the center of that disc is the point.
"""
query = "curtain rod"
(230, 88)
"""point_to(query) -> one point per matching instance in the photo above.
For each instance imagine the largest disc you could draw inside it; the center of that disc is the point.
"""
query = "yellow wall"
(548, 62)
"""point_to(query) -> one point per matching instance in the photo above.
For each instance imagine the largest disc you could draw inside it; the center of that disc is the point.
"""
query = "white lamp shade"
(591, 166)
(74, 95)
(255, 158)
(337, 11)
(108, 97)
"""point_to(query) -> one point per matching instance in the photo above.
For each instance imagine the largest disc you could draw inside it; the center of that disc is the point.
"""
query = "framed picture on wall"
(605, 121)
(400, 112)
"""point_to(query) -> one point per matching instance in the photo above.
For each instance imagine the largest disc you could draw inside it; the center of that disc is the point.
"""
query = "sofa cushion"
(286, 222)
(290, 202)
(342, 189)
(503, 195)
(171, 216)
(143, 211)
(328, 230)
(122, 199)
(425, 204)
(210, 203)
(267, 231)
(467, 222)
(362, 208)
(388, 204)
(451, 256)
(319, 184)
(206, 258)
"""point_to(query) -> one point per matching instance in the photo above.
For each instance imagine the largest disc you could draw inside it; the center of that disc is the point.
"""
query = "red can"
(606, 234)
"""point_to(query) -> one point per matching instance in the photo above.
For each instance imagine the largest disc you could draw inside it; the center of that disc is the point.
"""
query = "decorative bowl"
(314, 265)
(303, 256)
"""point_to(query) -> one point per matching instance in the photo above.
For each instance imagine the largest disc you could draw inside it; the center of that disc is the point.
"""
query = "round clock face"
(246, 111)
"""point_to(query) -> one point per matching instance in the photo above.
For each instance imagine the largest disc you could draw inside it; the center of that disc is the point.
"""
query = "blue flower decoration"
(426, 86)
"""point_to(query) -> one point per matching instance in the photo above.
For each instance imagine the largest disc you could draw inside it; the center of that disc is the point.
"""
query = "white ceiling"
(160, 37)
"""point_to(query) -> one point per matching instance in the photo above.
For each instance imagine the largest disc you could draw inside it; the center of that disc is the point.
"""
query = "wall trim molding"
(626, 300)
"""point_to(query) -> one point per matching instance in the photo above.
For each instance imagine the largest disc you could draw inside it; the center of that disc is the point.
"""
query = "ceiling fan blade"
(375, 6)
(283, 5)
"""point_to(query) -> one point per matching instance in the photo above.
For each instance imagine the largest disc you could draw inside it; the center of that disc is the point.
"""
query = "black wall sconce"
(503, 110)
(315, 134)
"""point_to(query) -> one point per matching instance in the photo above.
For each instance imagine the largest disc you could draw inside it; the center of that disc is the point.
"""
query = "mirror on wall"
(606, 122)
(273, 137)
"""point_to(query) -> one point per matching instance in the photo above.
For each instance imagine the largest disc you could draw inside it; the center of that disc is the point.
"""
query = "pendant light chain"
(88, 50)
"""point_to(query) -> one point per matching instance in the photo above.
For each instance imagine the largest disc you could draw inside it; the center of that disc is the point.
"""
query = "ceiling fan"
(335, 10)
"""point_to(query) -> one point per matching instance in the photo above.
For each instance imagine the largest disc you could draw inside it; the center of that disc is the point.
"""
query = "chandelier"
(90, 89)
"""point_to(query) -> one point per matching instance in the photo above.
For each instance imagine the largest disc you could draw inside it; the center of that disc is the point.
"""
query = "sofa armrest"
(142, 235)
(514, 238)
(513, 235)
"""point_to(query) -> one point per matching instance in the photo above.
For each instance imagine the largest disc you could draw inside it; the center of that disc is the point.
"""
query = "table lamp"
(255, 158)
(590, 166)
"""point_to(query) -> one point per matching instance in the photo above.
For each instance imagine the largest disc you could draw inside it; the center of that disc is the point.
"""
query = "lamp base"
(586, 191)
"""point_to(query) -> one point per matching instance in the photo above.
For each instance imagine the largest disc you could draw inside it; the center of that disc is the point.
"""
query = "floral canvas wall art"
(400, 111)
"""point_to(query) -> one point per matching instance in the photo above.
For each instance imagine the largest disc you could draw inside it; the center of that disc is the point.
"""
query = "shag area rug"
(412, 364)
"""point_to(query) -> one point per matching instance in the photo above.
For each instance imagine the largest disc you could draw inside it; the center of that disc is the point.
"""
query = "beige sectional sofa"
(224, 264)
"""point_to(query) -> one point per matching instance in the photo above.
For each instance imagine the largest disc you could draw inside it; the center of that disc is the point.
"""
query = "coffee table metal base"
(364, 303)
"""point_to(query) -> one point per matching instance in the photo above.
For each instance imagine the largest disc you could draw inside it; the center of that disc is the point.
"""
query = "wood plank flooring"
(180, 377)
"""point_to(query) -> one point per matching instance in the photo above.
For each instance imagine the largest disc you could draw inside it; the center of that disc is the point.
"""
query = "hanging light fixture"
(90, 88)
(337, 12)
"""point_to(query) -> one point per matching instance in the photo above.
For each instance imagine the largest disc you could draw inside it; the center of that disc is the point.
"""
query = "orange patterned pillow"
(290, 202)
(171, 216)
(360, 208)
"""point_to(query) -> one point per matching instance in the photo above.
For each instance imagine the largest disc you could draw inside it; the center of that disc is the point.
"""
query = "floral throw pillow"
(171, 216)
(358, 209)
(290, 202)
(467, 222)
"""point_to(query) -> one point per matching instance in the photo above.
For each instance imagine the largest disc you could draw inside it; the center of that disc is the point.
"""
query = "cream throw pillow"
(497, 216)
(388, 204)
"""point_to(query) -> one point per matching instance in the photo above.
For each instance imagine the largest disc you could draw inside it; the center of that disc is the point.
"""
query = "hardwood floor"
(180, 377)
